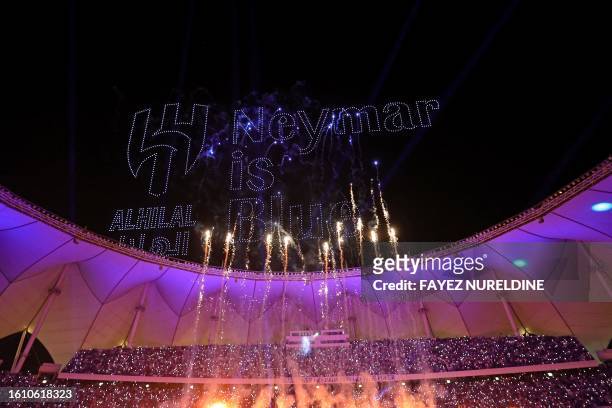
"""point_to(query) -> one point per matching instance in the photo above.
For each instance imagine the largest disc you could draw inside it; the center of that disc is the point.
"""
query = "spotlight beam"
(380, 82)
(452, 88)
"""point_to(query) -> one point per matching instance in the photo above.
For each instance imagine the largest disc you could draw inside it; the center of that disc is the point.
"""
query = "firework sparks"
(393, 238)
(374, 239)
(286, 242)
(300, 254)
(325, 256)
(247, 246)
(374, 206)
(340, 240)
(353, 205)
(206, 242)
(229, 238)
(386, 216)
(267, 266)
(360, 234)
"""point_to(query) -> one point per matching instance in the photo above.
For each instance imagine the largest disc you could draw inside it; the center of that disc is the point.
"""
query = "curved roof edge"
(547, 205)
(561, 196)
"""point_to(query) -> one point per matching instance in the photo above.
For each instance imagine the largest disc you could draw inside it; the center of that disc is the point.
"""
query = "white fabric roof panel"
(104, 281)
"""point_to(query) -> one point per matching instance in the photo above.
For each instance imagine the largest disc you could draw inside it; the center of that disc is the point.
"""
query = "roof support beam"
(54, 292)
(140, 308)
(19, 347)
(425, 320)
(510, 316)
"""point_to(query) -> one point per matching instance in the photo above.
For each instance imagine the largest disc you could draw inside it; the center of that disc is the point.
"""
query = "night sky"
(524, 89)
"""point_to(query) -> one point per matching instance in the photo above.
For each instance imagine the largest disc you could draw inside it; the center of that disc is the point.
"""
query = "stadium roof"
(102, 284)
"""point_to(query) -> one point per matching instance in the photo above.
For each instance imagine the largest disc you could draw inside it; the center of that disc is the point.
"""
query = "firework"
(387, 217)
(393, 238)
(300, 254)
(374, 239)
(374, 206)
(229, 238)
(286, 242)
(267, 273)
(339, 239)
(360, 234)
(207, 238)
(247, 247)
(325, 256)
(353, 206)
(267, 266)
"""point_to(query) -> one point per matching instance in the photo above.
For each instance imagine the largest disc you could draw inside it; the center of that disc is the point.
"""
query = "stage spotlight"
(218, 404)
(601, 207)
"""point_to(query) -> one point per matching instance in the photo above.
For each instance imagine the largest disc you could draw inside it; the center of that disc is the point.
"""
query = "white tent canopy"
(103, 286)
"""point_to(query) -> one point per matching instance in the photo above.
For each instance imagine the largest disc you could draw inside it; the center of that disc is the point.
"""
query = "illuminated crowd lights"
(371, 357)
(584, 388)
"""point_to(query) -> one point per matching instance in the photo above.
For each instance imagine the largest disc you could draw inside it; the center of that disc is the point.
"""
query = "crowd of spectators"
(591, 387)
(371, 357)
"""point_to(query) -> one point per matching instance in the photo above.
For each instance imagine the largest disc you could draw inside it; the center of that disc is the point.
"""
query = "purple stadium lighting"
(601, 207)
